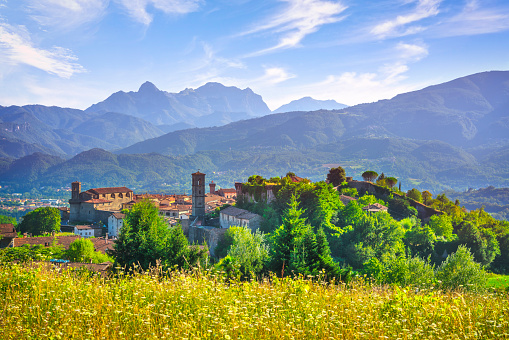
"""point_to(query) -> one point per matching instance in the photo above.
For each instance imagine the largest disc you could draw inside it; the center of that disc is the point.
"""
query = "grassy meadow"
(42, 304)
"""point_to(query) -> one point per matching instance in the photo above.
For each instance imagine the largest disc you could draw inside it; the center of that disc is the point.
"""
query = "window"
(120, 195)
(112, 195)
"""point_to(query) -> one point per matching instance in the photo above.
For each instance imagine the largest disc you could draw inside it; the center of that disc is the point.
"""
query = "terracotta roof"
(86, 227)
(118, 216)
(101, 244)
(346, 199)
(228, 190)
(8, 230)
(110, 190)
(375, 207)
(239, 213)
(46, 240)
(198, 173)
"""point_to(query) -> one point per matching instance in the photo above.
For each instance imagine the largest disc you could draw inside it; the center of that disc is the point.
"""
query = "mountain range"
(309, 104)
(452, 135)
(212, 103)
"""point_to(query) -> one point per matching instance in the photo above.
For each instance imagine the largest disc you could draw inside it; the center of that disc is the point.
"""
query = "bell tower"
(75, 189)
(198, 194)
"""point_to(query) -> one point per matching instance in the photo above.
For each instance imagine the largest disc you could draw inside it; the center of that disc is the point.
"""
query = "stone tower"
(198, 194)
(212, 187)
(76, 189)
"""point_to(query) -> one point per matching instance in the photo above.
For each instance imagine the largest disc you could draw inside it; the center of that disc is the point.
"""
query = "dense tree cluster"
(146, 241)
(40, 221)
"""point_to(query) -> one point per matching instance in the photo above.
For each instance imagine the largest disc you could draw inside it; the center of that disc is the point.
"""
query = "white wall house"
(115, 223)
(87, 231)
(233, 216)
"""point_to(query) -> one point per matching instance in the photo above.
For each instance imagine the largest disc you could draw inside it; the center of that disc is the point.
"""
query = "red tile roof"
(7, 230)
(110, 190)
(46, 240)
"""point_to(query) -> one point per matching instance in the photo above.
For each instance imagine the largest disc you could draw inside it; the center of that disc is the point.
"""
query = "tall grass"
(42, 304)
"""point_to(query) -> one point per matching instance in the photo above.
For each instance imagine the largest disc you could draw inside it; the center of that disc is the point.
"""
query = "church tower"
(198, 194)
(76, 190)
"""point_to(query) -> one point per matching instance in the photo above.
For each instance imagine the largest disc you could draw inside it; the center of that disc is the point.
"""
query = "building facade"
(233, 216)
(97, 204)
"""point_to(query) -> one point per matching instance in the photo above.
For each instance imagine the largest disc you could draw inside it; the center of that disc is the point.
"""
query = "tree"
(482, 242)
(460, 270)
(146, 239)
(7, 219)
(81, 250)
(284, 238)
(441, 225)
(248, 251)
(41, 221)
(370, 176)
(414, 194)
(336, 176)
(391, 181)
(427, 197)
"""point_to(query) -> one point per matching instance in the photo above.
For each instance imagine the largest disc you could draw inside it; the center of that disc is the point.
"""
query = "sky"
(74, 53)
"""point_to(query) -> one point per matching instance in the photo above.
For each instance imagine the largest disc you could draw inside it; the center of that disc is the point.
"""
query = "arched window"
(120, 195)
(112, 195)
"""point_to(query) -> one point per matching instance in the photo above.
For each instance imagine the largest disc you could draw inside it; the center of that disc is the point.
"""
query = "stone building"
(233, 216)
(97, 204)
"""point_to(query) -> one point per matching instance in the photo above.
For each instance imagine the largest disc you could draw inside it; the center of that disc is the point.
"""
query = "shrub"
(460, 270)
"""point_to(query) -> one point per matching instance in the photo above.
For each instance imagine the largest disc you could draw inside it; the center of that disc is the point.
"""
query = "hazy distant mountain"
(58, 131)
(465, 112)
(309, 104)
(188, 106)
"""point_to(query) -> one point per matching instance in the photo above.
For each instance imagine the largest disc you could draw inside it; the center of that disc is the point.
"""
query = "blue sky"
(74, 53)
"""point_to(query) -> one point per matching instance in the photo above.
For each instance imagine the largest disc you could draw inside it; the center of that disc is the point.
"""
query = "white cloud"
(137, 9)
(273, 75)
(67, 13)
(411, 52)
(17, 48)
(399, 25)
(474, 20)
(299, 19)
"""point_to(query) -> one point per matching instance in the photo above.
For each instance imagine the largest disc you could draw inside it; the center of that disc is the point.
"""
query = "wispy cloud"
(474, 19)
(358, 87)
(17, 48)
(297, 20)
(137, 9)
(400, 26)
(67, 13)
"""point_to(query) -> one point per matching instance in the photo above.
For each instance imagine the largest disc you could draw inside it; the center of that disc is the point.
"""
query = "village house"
(87, 231)
(115, 223)
(232, 216)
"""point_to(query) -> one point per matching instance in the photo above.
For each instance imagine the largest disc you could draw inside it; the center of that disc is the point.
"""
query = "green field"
(38, 304)
(498, 282)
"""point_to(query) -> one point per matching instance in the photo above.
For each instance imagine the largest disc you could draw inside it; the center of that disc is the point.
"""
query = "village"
(98, 214)
(204, 216)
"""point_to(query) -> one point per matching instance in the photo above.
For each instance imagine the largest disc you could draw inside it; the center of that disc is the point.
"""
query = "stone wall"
(210, 235)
